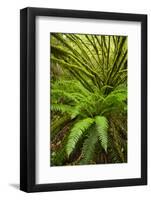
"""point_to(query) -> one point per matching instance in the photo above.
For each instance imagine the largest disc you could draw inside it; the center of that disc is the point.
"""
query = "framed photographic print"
(83, 99)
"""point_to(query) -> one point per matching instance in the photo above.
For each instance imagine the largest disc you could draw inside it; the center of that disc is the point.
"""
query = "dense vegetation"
(88, 99)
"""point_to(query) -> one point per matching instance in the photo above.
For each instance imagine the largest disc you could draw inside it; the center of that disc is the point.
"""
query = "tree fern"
(89, 89)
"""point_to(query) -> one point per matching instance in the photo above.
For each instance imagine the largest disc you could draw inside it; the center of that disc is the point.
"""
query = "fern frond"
(102, 127)
(115, 101)
(89, 145)
(61, 108)
(76, 132)
(71, 86)
(122, 88)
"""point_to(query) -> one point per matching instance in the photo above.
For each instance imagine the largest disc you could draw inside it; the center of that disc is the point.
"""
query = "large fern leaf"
(76, 132)
(102, 127)
(89, 145)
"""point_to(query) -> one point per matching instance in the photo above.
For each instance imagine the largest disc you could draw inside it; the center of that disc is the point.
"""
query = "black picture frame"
(28, 98)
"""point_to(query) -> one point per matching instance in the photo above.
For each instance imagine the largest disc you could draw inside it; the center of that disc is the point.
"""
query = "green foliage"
(76, 132)
(88, 149)
(88, 99)
(102, 126)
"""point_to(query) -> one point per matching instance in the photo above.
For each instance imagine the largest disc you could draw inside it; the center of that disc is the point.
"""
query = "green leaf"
(89, 145)
(76, 132)
(102, 127)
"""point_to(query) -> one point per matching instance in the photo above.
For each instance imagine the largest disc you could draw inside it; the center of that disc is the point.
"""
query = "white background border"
(47, 174)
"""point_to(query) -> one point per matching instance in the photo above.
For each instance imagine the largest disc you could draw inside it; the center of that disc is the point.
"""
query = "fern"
(88, 86)
(57, 93)
(89, 145)
(117, 95)
(61, 108)
(115, 101)
(76, 132)
(102, 126)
